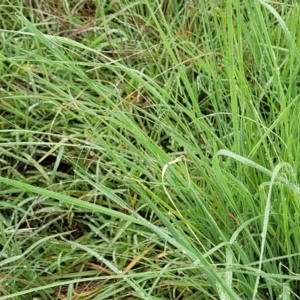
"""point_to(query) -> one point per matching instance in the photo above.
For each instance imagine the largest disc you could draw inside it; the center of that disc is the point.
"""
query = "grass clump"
(149, 150)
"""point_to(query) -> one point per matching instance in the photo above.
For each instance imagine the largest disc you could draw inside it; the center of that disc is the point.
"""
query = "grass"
(149, 150)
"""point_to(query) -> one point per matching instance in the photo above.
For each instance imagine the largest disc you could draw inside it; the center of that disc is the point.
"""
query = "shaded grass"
(169, 136)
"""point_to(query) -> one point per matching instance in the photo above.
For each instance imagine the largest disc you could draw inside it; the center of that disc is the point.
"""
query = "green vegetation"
(149, 150)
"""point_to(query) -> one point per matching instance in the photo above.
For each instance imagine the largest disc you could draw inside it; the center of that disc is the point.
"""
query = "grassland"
(149, 150)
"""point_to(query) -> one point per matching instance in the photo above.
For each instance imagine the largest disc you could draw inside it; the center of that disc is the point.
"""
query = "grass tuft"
(149, 150)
